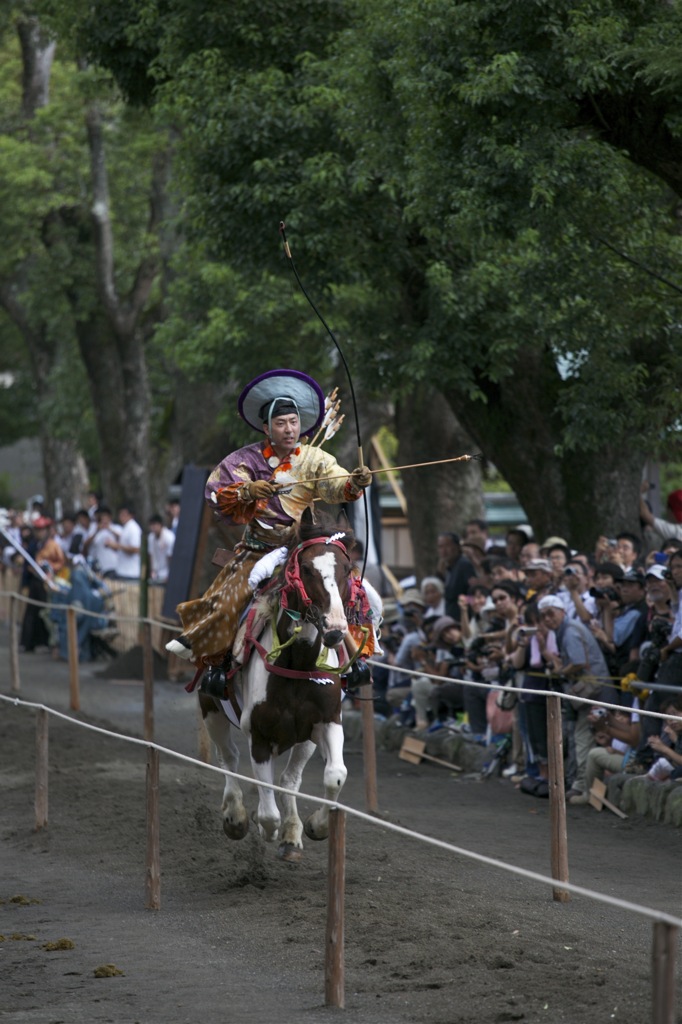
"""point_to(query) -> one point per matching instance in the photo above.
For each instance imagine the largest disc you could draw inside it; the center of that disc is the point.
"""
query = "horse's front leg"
(235, 816)
(267, 816)
(291, 839)
(329, 738)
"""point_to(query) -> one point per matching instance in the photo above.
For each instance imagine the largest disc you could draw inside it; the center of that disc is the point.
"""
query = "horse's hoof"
(289, 853)
(235, 830)
(312, 833)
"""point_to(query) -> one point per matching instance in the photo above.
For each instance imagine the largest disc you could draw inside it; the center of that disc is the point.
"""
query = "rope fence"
(665, 926)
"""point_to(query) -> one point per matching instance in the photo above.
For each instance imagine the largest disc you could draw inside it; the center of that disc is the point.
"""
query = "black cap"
(278, 407)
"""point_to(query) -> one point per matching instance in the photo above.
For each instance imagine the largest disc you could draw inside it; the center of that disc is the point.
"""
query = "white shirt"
(99, 555)
(128, 566)
(160, 550)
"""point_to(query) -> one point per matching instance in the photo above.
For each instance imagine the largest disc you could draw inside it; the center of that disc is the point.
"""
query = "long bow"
(361, 461)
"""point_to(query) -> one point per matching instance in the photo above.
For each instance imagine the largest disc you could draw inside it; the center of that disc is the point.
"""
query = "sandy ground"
(430, 936)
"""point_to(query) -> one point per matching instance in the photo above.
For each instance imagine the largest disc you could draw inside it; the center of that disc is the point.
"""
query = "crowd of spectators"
(77, 557)
(524, 614)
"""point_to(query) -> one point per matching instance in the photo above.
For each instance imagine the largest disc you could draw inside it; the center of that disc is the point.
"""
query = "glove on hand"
(361, 478)
(256, 490)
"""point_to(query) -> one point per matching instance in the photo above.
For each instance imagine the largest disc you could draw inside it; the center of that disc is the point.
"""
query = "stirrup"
(358, 675)
(214, 681)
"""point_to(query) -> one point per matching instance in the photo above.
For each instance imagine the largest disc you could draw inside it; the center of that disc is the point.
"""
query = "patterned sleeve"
(333, 482)
(223, 486)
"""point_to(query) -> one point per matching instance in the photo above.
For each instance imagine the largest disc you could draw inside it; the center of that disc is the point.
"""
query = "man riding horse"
(266, 486)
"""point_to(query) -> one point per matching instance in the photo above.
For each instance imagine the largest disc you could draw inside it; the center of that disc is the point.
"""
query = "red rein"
(293, 584)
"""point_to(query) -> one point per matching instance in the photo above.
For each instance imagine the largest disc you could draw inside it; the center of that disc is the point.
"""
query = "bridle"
(293, 589)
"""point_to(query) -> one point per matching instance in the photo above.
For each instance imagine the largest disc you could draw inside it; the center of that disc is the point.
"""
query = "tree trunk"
(65, 473)
(439, 498)
(37, 53)
(577, 496)
(119, 387)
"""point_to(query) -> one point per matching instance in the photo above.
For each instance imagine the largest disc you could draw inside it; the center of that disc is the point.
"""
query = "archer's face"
(284, 433)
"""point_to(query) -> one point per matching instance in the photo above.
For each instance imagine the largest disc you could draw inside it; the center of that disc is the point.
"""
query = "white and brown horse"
(289, 702)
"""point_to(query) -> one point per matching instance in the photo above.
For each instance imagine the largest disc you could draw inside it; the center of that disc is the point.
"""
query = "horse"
(289, 702)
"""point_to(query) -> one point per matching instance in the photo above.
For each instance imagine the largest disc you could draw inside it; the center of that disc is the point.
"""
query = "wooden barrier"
(664, 949)
(557, 798)
(148, 671)
(72, 650)
(664, 955)
(369, 754)
(336, 883)
(42, 761)
(153, 863)
(15, 681)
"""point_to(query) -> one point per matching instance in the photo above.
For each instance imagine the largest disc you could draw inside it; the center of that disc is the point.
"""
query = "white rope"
(636, 908)
(518, 690)
(94, 615)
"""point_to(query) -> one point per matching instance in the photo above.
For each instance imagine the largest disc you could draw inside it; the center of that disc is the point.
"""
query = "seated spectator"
(441, 700)
(87, 592)
(432, 590)
(399, 691)
(668, 745)
(616, 734)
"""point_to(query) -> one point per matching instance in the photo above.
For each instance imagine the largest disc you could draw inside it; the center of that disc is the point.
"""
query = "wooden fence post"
(14, 643)
(557, 798)
(663, 972)
(336, 883)
(72, 647)
(153, 865)
(148, 668)
(369, 750)
(42, 758)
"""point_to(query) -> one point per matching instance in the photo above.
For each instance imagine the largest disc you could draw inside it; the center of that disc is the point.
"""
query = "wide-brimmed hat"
(304, 392)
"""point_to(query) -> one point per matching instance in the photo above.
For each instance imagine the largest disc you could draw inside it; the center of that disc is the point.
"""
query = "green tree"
(450, 173)
(83, 180)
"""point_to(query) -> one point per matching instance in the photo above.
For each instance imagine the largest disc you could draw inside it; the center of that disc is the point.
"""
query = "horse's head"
(317, 577)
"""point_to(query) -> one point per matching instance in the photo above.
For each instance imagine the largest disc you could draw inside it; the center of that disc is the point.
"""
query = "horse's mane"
(321, 524)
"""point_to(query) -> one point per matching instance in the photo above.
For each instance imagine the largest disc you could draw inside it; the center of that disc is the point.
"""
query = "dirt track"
(430, 936)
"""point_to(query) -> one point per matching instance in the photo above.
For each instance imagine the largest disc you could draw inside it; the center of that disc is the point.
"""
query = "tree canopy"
(485, 196)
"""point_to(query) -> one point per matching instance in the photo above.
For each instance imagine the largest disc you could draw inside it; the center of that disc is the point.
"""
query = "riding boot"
(214, 681)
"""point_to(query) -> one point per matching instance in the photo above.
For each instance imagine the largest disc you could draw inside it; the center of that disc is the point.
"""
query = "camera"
(604, 592)
(599, 712)
(527, 630)
(568, 571)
